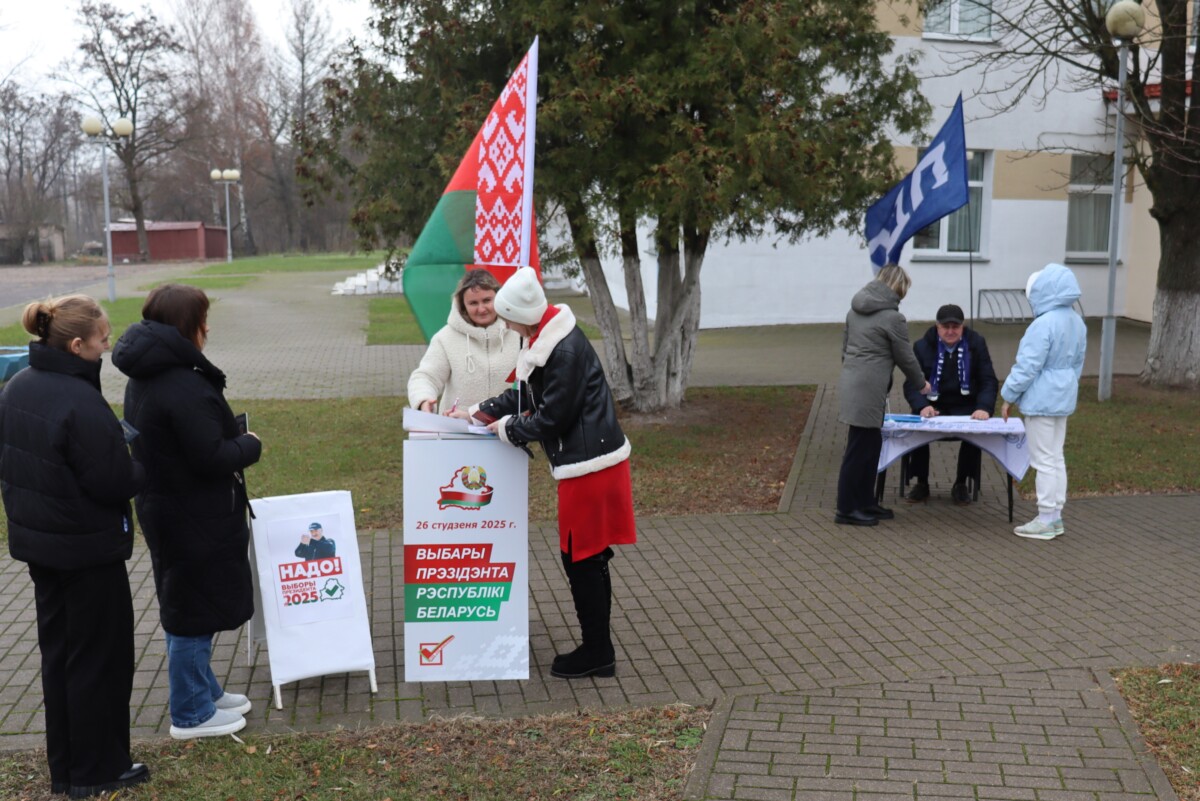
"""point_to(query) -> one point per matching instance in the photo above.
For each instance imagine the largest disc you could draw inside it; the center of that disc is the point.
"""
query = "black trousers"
(968, 454)
(85, 632)
(968, 463)
(860, 463)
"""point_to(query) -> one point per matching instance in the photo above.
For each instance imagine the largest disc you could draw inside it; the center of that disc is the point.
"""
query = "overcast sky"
(37, 35)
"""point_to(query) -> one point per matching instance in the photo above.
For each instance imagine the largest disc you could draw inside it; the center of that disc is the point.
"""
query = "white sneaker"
(1037, 530)
(1059, 527)
(222, 723)
(232, 702)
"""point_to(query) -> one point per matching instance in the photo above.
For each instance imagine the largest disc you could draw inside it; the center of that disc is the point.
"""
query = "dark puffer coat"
(193, 510)
(984, 385)
(65, 471)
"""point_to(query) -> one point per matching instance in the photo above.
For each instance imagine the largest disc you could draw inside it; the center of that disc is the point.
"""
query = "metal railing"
(1007, 307)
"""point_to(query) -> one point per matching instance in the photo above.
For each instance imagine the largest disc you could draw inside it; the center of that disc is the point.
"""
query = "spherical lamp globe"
(1125, 19)
(229, 175)
(215, 175)
(91, 126)
(122, 127)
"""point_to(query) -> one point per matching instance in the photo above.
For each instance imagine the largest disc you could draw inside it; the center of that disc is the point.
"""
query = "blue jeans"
(193, 686)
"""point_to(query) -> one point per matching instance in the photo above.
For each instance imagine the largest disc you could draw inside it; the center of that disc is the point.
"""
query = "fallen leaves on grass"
(643, 754)
(1165, 702)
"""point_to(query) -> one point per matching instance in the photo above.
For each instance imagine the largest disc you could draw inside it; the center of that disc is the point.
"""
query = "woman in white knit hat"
(563, 401)
(471, 356)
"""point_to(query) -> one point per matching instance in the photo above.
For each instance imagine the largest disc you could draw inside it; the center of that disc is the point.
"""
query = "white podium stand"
(466, 559)
(310, 608)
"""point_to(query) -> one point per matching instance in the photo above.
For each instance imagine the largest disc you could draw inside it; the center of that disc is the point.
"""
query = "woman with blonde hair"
(472, 356)
(875, 341)
(67, 477)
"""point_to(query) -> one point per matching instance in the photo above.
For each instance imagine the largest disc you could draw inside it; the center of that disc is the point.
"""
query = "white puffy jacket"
(466, 362)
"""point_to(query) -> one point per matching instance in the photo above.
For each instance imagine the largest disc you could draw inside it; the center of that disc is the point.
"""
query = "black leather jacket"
(565, 404)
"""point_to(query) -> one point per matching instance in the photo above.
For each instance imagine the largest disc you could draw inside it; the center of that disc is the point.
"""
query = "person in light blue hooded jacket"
(1044, 383)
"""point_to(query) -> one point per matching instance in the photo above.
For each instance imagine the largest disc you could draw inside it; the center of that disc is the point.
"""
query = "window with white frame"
(967, 18)
(961, 231)
(1089, 205)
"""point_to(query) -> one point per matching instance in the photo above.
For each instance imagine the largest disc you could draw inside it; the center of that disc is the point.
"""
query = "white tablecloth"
(1005, 441)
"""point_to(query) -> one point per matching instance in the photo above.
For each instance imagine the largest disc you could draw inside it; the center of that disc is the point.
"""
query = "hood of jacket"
(456, 322)
(1055, 286)
(147, 349)
(44, 357)
(482, 336)
(875, 296)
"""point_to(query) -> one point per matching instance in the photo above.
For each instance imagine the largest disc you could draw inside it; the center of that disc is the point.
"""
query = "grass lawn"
(1140, 440)
(1165, 702)
(296, 263)
(205, 282)
(694, 464)
(122, 314)
(643, 754)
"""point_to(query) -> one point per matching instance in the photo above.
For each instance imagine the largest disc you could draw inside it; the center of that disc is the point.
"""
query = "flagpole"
(970, 261)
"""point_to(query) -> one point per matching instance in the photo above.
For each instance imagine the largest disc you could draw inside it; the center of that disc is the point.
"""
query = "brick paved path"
(934, 656)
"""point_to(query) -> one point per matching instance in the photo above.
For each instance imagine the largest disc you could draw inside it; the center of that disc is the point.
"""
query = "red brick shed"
(170, 240)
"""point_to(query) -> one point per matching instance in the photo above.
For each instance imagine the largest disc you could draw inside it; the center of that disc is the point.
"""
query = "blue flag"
(937, 187)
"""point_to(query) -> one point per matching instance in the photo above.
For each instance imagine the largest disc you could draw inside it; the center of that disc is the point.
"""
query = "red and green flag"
(485, 217)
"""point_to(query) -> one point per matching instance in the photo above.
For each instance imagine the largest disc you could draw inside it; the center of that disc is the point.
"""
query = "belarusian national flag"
(485, 216)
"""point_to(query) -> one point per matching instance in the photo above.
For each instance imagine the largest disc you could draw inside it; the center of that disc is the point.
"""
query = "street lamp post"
(121, 129)
(226, 177)
(1124, 22)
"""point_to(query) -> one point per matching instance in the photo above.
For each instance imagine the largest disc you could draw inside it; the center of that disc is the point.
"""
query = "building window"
(1089, 204)
(961, 231)
(967, 18)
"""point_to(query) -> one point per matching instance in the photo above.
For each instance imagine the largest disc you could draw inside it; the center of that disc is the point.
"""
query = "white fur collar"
(554, 332)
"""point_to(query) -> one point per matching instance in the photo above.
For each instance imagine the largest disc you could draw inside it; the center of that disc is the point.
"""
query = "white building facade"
(1040, 178)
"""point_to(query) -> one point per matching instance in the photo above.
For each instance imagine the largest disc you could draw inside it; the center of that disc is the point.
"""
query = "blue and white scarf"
(964, 367)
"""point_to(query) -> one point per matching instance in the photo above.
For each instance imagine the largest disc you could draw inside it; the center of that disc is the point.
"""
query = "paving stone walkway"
(933, 656)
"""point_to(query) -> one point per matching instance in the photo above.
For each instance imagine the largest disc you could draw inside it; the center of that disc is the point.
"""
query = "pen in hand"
(453, 406)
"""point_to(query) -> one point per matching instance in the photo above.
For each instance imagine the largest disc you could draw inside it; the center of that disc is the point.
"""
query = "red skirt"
(596, 511)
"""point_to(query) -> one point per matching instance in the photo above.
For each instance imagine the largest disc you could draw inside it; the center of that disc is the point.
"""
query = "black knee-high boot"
(591, 589)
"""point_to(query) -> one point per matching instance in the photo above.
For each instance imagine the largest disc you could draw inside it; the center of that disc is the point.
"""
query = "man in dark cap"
(315, 545)
(957, 364)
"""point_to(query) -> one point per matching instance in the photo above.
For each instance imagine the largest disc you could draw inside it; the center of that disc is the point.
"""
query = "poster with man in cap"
(315, 545)
(958, 366)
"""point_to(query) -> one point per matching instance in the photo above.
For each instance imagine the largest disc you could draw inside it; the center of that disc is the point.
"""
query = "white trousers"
(1045, 437)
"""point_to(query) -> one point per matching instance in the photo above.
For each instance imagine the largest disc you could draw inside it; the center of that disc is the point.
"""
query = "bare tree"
(250, 99)
(273, 122)
(126, 70)
(310, 46)
(1044, 47)
(197, 22)
(39, 135)
(239, 69)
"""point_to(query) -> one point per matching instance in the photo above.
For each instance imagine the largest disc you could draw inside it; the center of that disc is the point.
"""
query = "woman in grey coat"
(874, 343)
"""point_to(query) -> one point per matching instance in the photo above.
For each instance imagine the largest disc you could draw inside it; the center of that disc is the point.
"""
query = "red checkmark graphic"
(428, 654)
